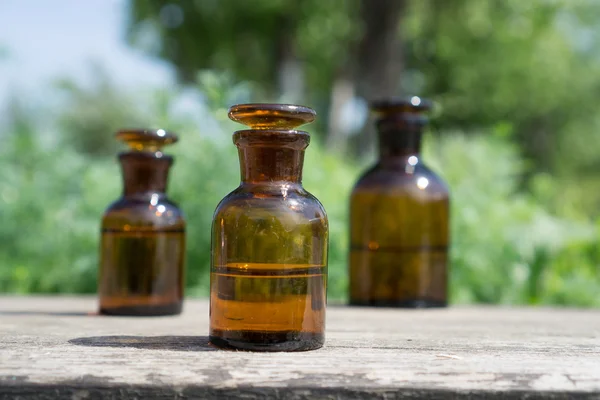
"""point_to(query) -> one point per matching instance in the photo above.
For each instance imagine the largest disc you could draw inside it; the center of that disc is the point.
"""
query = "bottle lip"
(146, 140)
(143, 155)
(293, 139)
(271, 115)
(395, 105)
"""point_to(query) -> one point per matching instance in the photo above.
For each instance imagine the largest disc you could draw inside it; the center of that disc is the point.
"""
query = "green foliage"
(248, 39)
(572, 278)
(531, 65)
(50, 222)
(514, 84)
(91, 115)
(56, 195)
(506, 247)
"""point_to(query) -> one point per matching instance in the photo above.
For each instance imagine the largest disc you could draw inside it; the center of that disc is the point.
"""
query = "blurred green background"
(514, 132)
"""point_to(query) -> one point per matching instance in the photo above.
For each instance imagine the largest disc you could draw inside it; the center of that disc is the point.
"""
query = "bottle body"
(269, 270)
(142, 252)
(142, 259)
(399, 218)
(268, 280)
(399, 238)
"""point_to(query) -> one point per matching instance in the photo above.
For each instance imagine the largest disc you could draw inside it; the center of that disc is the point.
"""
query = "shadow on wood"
(175, 343)
(51, 313)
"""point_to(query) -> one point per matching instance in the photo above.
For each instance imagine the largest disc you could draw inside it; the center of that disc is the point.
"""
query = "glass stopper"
(272, 116)
(414, 104)
(146, 140)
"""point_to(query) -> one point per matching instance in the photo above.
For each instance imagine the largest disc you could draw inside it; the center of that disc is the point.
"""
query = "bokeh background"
(515, 130)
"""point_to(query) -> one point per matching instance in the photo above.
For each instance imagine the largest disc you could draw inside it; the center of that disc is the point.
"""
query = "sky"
(45, 40)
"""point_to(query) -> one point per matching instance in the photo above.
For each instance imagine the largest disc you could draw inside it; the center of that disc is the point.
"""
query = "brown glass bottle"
(269, 240)
(399, 214)
(143, 234)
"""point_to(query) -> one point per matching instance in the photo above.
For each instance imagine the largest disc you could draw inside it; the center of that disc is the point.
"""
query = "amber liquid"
(399, 277)
(141, 272)
(399, 249)
(268, 307)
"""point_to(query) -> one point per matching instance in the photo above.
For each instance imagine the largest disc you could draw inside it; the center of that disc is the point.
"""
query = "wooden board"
(58, 348)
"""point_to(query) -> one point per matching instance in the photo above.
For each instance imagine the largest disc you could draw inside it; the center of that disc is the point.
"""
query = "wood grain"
(58, 348)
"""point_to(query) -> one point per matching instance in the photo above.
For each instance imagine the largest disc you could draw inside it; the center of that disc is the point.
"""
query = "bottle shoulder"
(417, 179)
(153, 211)
(281, 202)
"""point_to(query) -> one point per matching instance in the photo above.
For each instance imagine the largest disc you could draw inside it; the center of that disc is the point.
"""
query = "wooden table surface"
(57, 348)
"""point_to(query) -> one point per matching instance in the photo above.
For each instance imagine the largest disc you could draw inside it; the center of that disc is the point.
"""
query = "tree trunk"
(290, 69)
(380, 57)
(343, 90)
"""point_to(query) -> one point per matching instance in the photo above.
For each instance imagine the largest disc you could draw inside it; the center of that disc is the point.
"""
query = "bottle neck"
(144, 172)
(399, 138)
(394, 145)
(271, 155)
(260, 164)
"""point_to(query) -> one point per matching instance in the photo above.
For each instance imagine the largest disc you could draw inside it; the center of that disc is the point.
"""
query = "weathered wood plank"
(50, 347)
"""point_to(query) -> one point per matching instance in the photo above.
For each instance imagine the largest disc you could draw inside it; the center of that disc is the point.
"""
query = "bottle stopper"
(146, 140)
(412, 105)
(271, 116)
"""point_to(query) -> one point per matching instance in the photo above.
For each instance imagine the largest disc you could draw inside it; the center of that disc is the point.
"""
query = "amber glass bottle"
(399, 218)
(143, 234)
(269, 240)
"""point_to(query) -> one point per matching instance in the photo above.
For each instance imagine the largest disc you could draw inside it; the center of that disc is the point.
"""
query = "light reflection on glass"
(373, 245)
(413, 160)
(222, 223)
(294, 204)
(422, 183)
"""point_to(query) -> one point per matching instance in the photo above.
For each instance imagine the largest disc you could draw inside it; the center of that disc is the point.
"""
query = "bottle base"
(416, 303)
(267, 341)
(154, 310)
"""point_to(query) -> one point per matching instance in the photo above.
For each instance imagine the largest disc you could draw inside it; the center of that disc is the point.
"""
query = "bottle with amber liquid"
(269, 240)
(399, 215)
(143, 234)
